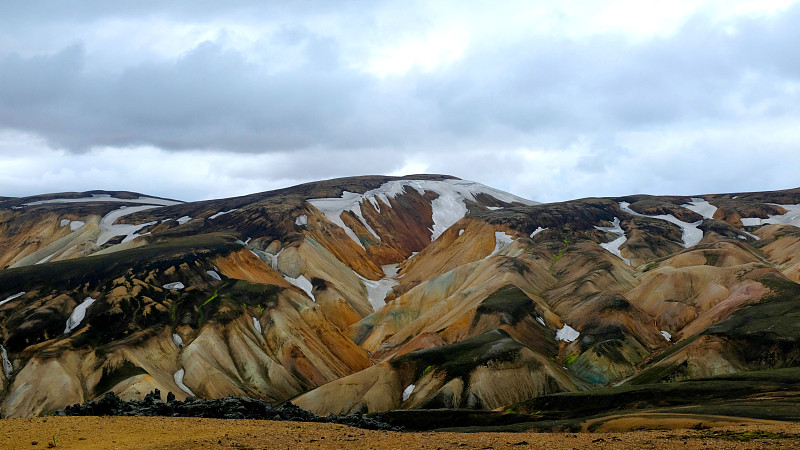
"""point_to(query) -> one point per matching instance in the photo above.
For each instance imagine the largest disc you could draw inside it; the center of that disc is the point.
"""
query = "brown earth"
(190, 433)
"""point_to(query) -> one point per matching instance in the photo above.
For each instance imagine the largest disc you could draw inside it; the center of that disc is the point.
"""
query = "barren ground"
(190, 433)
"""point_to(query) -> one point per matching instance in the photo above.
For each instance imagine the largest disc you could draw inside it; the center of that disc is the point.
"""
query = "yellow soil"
(189, 433)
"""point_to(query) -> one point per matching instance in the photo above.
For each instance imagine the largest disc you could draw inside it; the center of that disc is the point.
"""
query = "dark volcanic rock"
(222, 408)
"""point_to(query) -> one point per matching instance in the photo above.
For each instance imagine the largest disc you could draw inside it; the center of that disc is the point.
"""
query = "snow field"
(448, 208)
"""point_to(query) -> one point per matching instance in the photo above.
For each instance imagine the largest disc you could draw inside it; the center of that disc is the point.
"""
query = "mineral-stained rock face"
(368, 294)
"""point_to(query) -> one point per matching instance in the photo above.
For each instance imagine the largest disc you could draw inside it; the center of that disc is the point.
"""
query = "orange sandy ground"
(190, 433)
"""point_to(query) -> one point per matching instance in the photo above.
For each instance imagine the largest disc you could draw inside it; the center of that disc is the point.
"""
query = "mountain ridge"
(392, 293)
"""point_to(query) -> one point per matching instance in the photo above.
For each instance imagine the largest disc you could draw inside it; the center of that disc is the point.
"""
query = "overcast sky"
(550, 100)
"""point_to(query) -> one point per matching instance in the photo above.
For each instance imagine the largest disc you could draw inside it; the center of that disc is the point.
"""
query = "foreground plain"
(190, 433)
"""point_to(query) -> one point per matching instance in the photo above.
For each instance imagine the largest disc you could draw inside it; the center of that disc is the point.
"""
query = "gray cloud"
(295, 94)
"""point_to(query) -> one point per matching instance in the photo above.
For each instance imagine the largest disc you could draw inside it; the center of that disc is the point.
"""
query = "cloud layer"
(536, 99)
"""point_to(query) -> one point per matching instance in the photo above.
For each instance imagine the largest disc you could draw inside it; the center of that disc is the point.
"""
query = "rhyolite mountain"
(371, 294)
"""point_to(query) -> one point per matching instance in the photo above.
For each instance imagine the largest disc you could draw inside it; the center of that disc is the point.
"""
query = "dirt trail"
(190, 433)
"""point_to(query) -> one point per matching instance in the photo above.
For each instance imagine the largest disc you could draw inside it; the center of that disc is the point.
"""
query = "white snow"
(501, 239)
(567, 334)
(407, 391)
(183, 220)
(448, 207)
(541, 321)
(256, 324)
(666, 335)
(275, 259)
(177, 340)
(46, 258)
(176, 286)
(7, 367)
(734, 197)
(691, 234)
(460, 232)
(494, 208)
(78, 314)
(179, 381)
(107, 198)
(73, 224)
(333, 208)
(378, 290)
(749, 234)
(222, 213)
(12, 297)
(109, 230)
(214, 275)
(302, 220)
(537, 231)
(701, 207)
(792, 217)
(303, 283)
(614, 245)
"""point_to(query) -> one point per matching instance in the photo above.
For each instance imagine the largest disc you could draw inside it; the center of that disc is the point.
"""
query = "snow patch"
(179, 381)
(749, 234)
(407, 391)
(567, 334)
(494, 208)
(537, 231)
(7, 367)
(702, 207)
(214, 275)
(460, 232)
(666, 335)
(177, 340)
(541, 321)
(691, 234)
(176, 286)
(501, 239)
(12, 297)
(792, 217)
(614, 245)
(183, 220)
(378, 290)
(78, 314)
(47, 258)
(257, 324)
(65, 222)
(301, 221)
(303, 283)
(107, 198)
(76, 225)
(222, 213)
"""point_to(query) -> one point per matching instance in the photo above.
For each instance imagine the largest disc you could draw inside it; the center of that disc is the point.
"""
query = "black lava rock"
(222, 408)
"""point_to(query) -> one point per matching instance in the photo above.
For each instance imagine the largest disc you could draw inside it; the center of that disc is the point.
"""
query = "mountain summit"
(371, 294)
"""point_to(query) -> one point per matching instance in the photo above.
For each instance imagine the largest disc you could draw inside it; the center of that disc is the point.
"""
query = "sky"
(549, 100)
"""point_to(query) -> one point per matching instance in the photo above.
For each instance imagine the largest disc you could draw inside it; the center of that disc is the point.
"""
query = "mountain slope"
(374, 293)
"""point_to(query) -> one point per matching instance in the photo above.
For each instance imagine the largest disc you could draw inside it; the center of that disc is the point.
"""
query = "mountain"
(372, 294)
